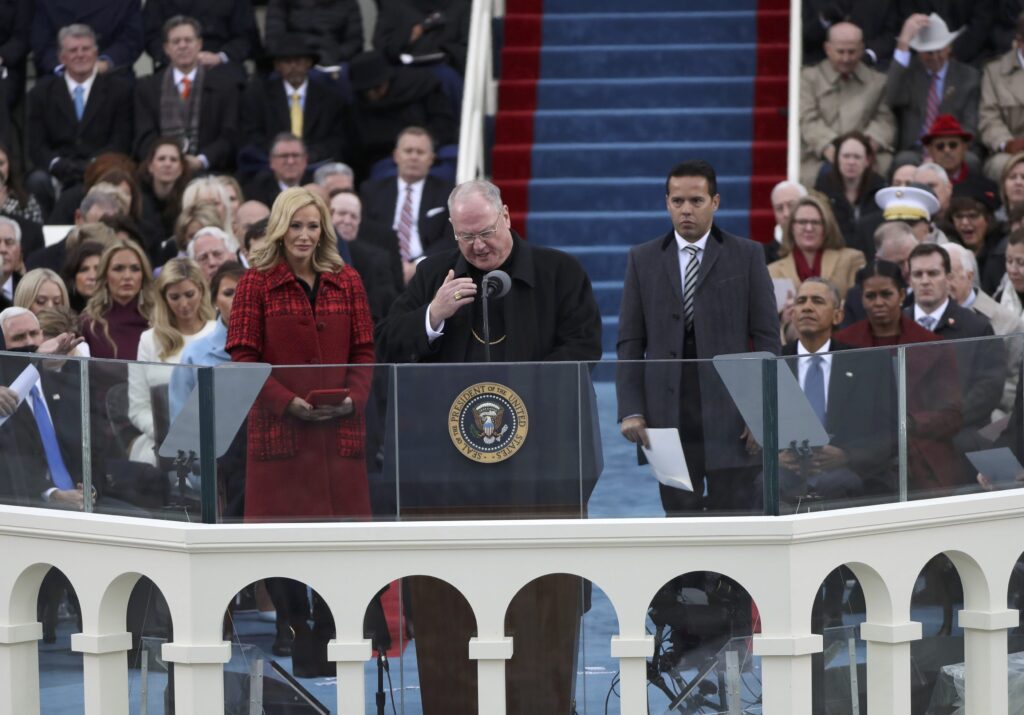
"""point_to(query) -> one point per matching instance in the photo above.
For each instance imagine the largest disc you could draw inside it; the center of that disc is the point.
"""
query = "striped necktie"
(690, 284)
(405, 225)
(931, 111)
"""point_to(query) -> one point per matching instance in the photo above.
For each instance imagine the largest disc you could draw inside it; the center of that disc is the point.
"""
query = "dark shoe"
(307, 662)
(283, 641)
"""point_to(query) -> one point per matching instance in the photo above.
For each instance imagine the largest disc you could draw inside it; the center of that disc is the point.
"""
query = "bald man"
(841, 94)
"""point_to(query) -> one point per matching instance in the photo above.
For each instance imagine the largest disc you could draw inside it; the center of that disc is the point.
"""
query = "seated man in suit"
(41, 441)
(840, 95)
(373, 263)
(848, 397)
(919, 88)
(1001, 112)
(414, 204)
(230, 35)
(11, 264)
(288, 162)
(981, 364)
(784, 197)
(947, 144)
(290, 100)
(74, 117)
(189, 102)
(1004, 321)
(389, 99)
(117, 24)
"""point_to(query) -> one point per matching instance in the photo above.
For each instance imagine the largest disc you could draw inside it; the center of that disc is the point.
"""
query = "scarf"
(180, 118)
(803, 270)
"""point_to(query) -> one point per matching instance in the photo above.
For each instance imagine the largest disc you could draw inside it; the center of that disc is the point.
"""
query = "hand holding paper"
(665, 455)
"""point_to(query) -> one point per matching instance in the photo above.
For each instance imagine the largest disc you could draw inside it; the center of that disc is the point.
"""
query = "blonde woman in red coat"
(300, 305)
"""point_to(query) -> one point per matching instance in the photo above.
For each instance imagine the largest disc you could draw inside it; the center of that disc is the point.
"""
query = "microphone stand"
(487, 321)
(382, 665)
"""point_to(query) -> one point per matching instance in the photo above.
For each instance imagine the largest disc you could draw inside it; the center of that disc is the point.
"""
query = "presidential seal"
(488, 422)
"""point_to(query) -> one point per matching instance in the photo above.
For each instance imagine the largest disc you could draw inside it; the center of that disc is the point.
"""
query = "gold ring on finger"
(458, 295)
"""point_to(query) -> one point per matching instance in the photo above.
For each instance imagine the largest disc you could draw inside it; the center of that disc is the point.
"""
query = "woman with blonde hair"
(182, 313)
(234, 189)
(300, 304)
(118, 311)
(208, 190)
(40, 289)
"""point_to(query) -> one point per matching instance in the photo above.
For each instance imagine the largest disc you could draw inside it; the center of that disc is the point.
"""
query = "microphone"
(496, 284)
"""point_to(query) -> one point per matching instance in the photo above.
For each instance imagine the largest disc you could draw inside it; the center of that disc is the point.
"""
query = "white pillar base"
(105, 671)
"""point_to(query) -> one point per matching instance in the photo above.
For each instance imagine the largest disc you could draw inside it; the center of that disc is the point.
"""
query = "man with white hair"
(41, 442)
(964, 289)
(933, 177)
(210, 248)
(10, 251)
(335, 177)
(783, 197)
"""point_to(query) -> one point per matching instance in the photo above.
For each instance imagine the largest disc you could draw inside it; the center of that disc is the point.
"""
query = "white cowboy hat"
(934, 36)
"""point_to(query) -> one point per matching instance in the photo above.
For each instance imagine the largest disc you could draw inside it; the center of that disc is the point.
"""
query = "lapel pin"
(849, 374)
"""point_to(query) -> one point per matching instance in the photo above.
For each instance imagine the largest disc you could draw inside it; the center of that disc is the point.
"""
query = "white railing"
(781, 561)
(479, 99)
(796, 58)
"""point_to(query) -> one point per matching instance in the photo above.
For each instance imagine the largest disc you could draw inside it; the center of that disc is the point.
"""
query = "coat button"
(321, 325)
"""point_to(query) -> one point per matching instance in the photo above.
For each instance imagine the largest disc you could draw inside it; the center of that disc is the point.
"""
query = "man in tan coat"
(839, 95)
(1001, 116)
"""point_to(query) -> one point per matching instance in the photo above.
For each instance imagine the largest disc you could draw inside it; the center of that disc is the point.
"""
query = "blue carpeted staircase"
(600, 98)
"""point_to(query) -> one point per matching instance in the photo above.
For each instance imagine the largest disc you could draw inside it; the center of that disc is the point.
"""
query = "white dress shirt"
(415, 244)
(937, 313)
(86, 86)
(8, 288)
(301, 90)
(179, 76)
(684, 256)
(804, 364)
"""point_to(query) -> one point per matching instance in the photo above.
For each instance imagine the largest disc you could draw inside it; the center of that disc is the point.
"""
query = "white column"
(198, 676)
(105, 671)
(19, 668)
(985, 659)
(786, 672)
(350, 659)
(490, 654)
(632, 654)
(888, 665)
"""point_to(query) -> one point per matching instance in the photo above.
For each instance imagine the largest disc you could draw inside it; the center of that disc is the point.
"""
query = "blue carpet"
(627, 89)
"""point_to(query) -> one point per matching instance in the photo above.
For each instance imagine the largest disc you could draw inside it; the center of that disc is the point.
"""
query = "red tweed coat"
(298, 468)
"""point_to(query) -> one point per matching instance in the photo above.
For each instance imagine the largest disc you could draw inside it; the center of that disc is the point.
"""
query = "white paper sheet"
(23, 384)
(665, 456)
(783, 289)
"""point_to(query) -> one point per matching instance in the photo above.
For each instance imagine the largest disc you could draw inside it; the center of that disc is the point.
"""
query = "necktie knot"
(927, 322)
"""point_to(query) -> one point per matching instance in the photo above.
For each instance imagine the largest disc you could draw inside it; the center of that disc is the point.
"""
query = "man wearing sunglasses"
(947, 144)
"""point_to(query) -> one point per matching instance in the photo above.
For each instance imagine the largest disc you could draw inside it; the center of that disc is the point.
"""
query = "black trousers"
(728, 490)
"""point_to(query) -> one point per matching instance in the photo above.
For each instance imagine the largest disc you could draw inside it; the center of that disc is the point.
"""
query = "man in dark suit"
(694, 293)
(74, 117)
(850, 394)
(414, 204)
(12, 264)
(371, 262)
(980, 364)
(930, 83)
(230, 35)
(288, 162)
(189, 102)
(290, 100)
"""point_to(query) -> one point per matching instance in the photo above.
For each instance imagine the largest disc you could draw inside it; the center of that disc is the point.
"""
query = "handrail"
(796, 53)
(479, 96)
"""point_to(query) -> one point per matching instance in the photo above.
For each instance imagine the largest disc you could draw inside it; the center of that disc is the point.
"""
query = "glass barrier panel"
(963, 427)
(697, 460)
(303, 443)
(838, 434)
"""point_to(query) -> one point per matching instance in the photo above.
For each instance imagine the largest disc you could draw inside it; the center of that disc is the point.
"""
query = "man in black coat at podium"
(549, 314)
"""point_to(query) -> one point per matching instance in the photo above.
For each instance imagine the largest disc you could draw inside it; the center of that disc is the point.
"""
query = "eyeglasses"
(967, 216)
(943, 145)
(485, 235)
(808, 223)
(292, 156)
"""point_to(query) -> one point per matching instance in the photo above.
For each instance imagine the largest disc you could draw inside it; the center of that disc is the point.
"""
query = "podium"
(503, 441)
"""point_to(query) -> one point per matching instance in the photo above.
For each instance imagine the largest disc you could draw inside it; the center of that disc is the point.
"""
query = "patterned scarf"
(178, 117)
